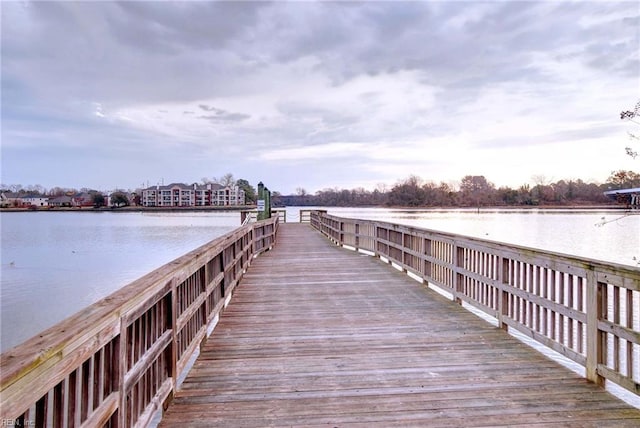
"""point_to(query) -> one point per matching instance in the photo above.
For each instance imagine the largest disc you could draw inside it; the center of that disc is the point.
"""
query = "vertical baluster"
(98, 379)
(503, 295)
(561, 318)
(629, 323)
(130, 346)
(519, 285)
(41, 411)
(616, 320)
(24, 419)
(529, 304)
(108, 372)
(72, 399)
(513, 282)
(552, 297)
(58, 405)
(488, 273)
(498, 276)
(479, 288)
(536, 291)
(139, 338)
(581, 307)
(85, 390)
(544, 285)
(570, 303)
(146, 387)
(133, 403)
(477, 296)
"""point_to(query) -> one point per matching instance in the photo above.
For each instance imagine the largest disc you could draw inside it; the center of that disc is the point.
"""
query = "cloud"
(221, 116)
(312, 153)
(378, 89)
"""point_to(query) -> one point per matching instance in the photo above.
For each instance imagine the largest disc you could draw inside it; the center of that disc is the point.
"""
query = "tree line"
(472, 191)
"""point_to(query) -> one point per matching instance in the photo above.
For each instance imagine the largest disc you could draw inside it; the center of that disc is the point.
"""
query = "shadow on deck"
(316, 335)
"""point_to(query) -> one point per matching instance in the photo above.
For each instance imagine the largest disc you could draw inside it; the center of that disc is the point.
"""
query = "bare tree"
(226, 180)
(632, 116)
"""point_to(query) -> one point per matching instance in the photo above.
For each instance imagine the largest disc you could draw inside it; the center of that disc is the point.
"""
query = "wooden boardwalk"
(316, 335)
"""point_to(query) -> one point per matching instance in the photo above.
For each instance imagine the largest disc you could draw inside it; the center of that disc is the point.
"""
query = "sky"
(316, 95)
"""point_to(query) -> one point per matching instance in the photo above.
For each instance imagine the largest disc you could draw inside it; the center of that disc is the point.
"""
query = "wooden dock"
(317, 335)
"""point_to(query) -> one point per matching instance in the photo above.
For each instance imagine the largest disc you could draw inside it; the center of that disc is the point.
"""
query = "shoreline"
(253, 208)
(130, 209)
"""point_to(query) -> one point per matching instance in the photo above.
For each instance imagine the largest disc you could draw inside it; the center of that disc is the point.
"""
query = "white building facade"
(195, 195)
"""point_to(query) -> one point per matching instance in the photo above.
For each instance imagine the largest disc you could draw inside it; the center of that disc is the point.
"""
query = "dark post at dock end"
(264, 202)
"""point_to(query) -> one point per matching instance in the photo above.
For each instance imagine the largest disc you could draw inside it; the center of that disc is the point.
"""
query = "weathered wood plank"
(317, 335)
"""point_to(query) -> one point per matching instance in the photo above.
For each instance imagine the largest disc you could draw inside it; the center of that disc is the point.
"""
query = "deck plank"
(316, 335)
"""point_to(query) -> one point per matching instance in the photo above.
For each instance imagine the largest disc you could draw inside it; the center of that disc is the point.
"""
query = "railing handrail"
(248, 216)
(580, 307)
(88, 356)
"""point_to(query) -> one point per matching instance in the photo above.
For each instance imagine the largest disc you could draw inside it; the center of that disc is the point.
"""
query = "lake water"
(55, 263)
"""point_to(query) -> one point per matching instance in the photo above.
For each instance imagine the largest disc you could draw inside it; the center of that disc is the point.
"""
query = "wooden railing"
(586, 310)
(251, 216)
(305, 216)
(117, 362)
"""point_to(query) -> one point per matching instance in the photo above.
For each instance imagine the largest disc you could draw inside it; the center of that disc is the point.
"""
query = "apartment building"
(195, 195)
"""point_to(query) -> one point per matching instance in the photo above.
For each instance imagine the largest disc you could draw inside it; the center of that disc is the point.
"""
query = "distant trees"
(413, 191)
(119, 199)
(475, 190)
(623, 179)
(59, 191)
(249, 191)
(226, 180)
(98, 199)
(472, 191)
(408, 193)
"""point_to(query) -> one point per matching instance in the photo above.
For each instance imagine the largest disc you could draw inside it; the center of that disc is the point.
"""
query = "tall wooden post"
(264, 202)
(267, 202)
(596, 339)
(261, 202)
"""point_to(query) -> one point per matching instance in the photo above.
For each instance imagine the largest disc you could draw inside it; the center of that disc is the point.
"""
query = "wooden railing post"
(174, 334)
(595, 338)
(503, 296)
(122, 370)
(458, 262)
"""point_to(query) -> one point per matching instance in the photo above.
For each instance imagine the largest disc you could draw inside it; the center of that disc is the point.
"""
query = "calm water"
(56, 263)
